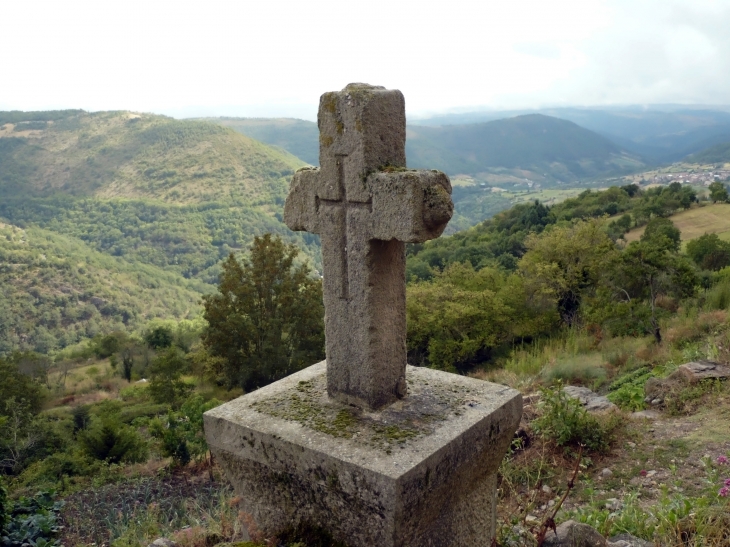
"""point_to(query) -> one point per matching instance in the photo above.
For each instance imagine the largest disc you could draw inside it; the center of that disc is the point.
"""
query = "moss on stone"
(307, 404)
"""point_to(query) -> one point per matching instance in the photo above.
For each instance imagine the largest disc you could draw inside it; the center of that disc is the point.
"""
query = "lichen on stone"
(416, 416)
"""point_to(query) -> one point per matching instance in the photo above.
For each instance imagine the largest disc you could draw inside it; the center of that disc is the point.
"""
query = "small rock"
(651, 473)
(695, 371)
(574, 534)
(655, 402)
(606, 472)
(631, 445)
(613, 504)
(627, 540)
(646, 414)
(163, 542)
(551, 503)
(547, 489)
(531, 519)
(589, 399)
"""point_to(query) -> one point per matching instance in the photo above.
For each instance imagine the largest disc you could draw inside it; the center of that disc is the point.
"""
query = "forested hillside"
(720, 153)
(552, 149)
(141, 196)
(299, 137)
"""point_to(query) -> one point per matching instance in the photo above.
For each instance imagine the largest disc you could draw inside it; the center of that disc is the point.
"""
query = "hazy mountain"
(561, 150)
(299, 137)
(719, 153)
(660, 134)
(558, 150)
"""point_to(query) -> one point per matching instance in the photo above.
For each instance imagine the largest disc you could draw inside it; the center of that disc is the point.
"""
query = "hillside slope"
(719, 153)
(149, 197)
(124, 154)
(57, 291)
(555, 149)
(299, 137)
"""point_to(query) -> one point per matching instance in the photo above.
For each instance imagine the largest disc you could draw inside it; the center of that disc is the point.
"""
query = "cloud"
(278, 56)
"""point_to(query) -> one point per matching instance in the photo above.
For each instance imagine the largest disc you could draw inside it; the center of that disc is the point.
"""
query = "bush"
(166, 384)
(4, 509)
(110, 441)
(568, 424)
(627, 392)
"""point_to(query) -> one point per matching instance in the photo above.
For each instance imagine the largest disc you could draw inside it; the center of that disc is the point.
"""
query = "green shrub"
(4, 509)
(718, 298)
(81, 417)
(627, 391)
(568, 424)
(110, 441)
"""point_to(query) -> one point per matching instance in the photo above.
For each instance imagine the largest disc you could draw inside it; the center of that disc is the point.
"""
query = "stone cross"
(366, 205)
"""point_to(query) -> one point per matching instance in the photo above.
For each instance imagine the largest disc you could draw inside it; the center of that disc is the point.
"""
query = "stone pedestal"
(420, 472)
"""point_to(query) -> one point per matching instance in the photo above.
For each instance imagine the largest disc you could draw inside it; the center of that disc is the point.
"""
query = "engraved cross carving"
(346, 205)
(366, 205)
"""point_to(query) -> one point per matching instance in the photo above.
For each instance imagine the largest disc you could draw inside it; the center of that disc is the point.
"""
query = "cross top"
(366, 205)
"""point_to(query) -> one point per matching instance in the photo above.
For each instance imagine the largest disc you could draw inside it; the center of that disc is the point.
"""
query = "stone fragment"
(163, 542)
(628, 541)
(574, 534)
(589, 399)
(606, 472)
(645, 415)
(695, 371)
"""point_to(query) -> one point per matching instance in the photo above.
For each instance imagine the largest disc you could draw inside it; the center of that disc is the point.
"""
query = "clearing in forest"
(711, 219)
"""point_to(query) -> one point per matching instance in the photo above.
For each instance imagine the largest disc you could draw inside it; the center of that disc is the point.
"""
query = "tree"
(459, 316)
(649, 268)
(19, 386)
(266, 320)
(166, 383)
(709, 252)
(159, 337)
(718, 192)
(663, 233)
(567, 261)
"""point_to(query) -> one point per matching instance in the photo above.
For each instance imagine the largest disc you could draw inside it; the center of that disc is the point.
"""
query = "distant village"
(688, 177)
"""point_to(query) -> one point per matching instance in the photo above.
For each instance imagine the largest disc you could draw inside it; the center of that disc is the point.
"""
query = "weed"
(568, 424)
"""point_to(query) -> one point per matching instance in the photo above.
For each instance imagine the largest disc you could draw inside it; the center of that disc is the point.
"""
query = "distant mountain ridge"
(555, 148)
(533, 143)
(660, 133)
(299, 137)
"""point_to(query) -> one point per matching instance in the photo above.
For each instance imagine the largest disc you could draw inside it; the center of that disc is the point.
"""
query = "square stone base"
(420, 472)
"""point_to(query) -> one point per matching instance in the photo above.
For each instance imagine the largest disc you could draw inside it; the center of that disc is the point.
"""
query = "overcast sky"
(275, 57)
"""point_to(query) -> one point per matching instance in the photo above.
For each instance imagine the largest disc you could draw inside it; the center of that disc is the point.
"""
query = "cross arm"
(412, 206)
(300, 209)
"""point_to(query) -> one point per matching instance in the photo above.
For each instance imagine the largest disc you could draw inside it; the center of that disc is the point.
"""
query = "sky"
(276, 57)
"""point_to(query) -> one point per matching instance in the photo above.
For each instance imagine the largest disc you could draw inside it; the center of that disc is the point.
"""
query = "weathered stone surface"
(695, 371)
(593, 402)
(421, 471)
(366, 205)
(574, 534)
(163, 542)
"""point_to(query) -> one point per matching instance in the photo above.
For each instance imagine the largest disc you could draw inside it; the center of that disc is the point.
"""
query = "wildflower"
(727, 482)
(724, 491)
(643, 473)
(722, 460)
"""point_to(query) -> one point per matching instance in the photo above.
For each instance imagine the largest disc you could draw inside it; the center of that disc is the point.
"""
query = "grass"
(711, 219)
